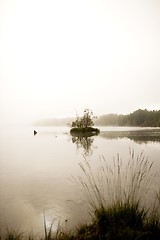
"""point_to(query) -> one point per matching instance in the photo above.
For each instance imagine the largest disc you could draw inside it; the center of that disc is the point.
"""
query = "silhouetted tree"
(85, 121)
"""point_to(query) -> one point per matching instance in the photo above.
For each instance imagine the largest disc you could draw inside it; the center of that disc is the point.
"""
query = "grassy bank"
(117, 194)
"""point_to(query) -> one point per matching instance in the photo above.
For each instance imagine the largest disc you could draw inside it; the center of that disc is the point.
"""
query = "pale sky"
(58, 57)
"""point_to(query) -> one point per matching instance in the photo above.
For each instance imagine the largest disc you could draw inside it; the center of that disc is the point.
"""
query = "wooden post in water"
(35, 132)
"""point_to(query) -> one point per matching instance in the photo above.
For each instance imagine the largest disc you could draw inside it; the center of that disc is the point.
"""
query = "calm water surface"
(36, 171)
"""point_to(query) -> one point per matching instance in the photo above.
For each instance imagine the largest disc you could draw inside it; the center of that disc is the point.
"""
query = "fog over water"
(59, 57)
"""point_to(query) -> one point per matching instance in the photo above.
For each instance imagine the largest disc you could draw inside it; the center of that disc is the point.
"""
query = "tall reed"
(122, 181)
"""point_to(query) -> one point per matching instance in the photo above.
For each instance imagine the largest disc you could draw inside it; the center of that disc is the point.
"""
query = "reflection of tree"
(85, 143)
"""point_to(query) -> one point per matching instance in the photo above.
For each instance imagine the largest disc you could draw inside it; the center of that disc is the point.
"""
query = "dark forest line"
(142, 118)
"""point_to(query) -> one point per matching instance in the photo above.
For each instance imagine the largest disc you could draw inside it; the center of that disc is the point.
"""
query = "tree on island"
(85, 121)
(83, 126)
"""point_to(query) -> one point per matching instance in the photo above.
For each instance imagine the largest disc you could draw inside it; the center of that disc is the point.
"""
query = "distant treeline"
(140, 117)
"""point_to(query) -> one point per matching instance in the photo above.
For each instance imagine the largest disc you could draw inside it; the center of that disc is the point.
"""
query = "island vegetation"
(83, 126)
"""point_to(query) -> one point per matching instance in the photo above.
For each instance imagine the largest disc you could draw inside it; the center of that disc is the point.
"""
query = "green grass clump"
(121, 221)
(121, 215)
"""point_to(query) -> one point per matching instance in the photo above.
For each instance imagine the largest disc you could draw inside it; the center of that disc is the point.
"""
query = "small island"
(83, 126)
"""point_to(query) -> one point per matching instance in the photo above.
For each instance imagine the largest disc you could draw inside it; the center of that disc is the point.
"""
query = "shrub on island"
(83, 126)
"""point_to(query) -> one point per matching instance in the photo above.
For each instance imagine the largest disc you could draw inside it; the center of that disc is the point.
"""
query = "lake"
(36, 172)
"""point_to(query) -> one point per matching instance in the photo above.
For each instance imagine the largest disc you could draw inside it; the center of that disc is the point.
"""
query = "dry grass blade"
(121, 181)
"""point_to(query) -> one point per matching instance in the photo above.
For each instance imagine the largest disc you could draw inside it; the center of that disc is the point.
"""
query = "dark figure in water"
(35, 132)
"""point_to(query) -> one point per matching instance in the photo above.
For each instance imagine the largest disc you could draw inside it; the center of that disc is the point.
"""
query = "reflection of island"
(85, 143)
(141, 136)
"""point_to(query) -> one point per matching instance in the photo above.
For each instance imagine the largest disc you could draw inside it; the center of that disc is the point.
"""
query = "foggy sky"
(59, 57)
